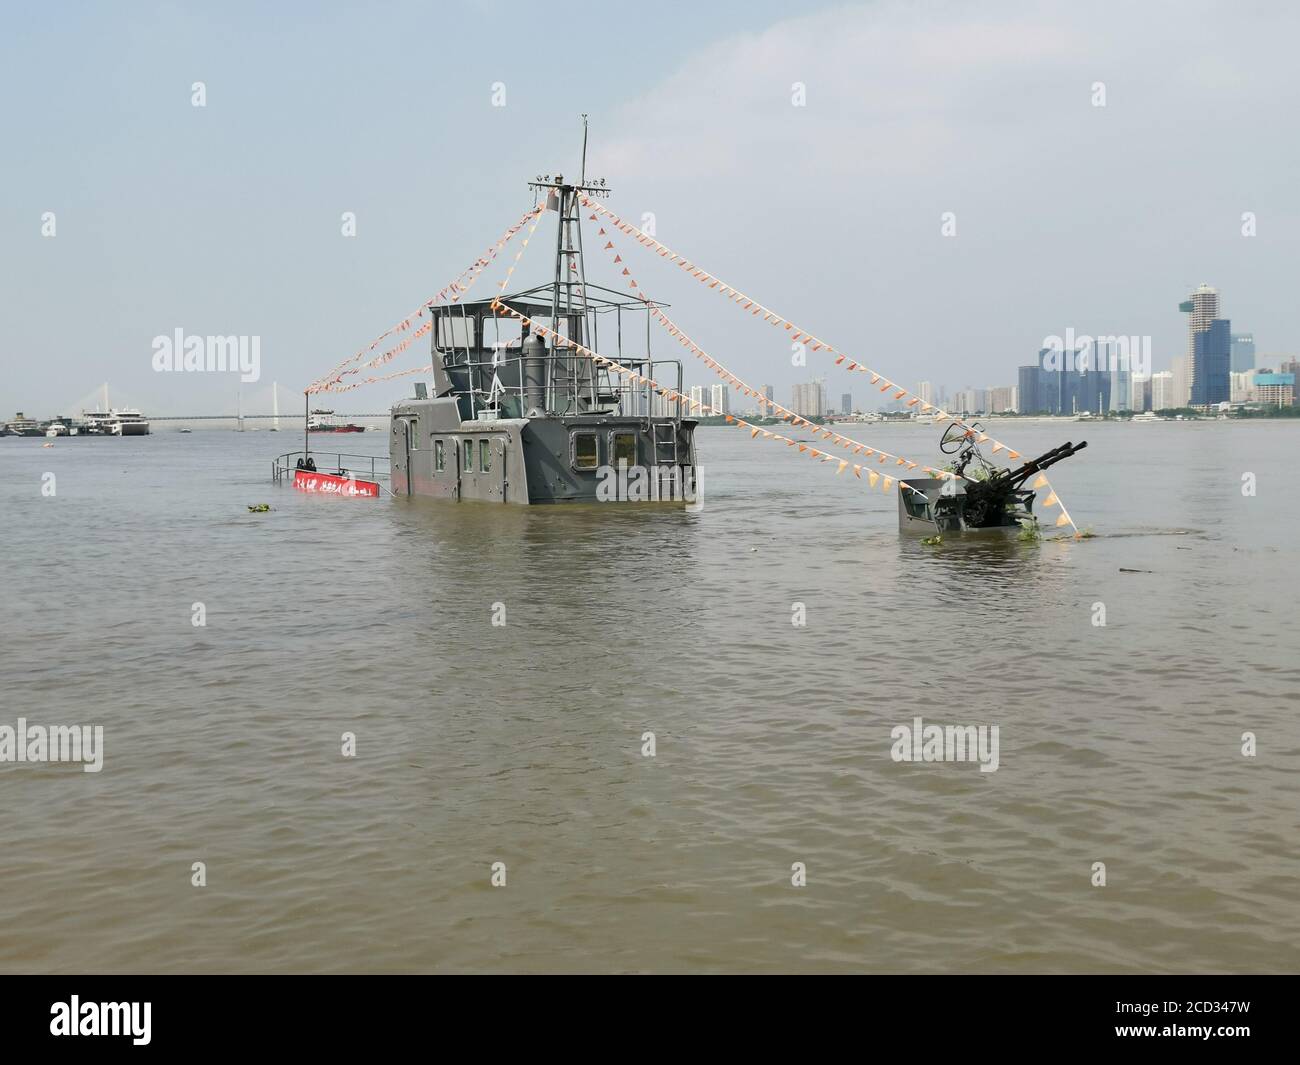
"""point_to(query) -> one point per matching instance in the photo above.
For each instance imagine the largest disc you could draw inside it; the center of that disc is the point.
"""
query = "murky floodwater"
(522, 744)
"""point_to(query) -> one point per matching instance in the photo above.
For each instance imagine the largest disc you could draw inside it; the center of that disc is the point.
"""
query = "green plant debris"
(259, 508)
(932, 541)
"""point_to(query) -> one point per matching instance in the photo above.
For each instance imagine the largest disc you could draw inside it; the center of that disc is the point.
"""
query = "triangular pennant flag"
(1042, 481)
(1062, 520)
(1051, 500)
(872, 477)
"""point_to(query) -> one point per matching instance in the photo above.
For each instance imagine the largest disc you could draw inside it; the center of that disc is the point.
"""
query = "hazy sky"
(225, 219)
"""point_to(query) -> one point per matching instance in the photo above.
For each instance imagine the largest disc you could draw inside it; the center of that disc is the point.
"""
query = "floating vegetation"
(259, 508)
(932, 541)
(1029, 532)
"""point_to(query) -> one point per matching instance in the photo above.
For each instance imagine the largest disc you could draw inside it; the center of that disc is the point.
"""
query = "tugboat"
(515, 416)
(989, 499)
(326, 421)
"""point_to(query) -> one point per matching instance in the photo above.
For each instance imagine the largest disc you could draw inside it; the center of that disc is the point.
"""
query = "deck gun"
(989, 497)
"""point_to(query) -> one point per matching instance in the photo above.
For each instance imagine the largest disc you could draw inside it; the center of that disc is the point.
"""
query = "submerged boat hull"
(583, 458)
(931, 506)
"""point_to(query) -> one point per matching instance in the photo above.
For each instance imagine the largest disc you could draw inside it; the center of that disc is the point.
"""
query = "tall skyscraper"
(926, 391)
(769, 393)
(697, 395)
(846, 403)
(1210, 362)
(1201, 379)
(720, 399)
(1243, 352)
(1030, 400)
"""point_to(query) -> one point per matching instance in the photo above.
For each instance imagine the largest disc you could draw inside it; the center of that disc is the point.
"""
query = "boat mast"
(570, 270)
(275, 404)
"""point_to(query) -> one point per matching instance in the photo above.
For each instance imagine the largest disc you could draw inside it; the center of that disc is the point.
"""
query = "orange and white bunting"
(839, 439)
(452, 292)
(677, 397)
(797, 333)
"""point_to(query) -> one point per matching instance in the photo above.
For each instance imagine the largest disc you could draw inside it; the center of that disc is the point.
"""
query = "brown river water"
(522, 744)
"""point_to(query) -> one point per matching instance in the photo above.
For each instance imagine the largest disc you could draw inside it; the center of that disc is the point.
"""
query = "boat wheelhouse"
(514, 415)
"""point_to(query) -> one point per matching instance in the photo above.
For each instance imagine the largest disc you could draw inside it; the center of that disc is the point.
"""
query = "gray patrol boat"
(515, 417)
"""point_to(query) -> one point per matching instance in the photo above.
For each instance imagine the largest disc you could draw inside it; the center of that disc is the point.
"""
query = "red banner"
(331, 485)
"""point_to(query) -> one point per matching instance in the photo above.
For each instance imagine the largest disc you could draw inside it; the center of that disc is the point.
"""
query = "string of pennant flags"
(452, 292)
(800, 335)
(680, 335)
(456, 289)
(873, 477)
(384, 377)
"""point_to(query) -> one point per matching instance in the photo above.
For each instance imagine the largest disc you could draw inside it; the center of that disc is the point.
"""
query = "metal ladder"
(659, 431)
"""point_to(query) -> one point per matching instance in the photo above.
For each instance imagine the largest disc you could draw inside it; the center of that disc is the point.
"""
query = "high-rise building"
(1162, 391)
(1241, 386)
(846, 403)
(720, 399)
(926, 391)
(1030, 401)
(1243, 352)
(1139, 393)
(697, 396)
(1180, 378)
(769, 394)
(1201, 377)
(1001, 399)
(809, 400)
(1210, 364)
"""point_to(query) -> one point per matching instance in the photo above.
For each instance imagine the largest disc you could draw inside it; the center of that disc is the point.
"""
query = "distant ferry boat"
(325, 421)
(24, 426)
(1147, 416)
(124, 421)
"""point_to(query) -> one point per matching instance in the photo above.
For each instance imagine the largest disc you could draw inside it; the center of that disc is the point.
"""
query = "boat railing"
(570, 377)
(362, 467)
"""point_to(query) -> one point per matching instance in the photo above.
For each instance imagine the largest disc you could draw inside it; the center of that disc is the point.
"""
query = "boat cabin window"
(583, 447)
(504, 335)
(622, 448)
(413, 427)
(439, 456)
(455, 332)
(485, 455)
(469, 457)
